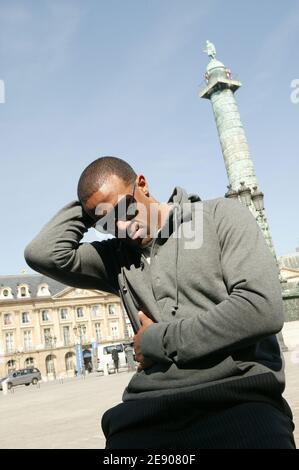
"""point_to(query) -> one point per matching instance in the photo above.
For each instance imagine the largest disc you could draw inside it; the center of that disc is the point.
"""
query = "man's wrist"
(152, 342)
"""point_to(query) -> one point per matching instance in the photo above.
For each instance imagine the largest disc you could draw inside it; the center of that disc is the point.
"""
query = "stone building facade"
(42, 322)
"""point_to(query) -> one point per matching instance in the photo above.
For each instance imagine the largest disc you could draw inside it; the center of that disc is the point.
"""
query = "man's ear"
(143, 184)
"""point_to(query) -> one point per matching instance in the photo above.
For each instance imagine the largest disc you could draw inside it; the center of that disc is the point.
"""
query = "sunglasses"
(125, 210)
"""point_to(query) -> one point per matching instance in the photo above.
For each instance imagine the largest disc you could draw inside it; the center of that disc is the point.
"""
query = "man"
(115, 358)
(201, 289)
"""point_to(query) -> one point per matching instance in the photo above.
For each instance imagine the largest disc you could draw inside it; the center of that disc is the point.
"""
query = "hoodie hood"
(181, 212)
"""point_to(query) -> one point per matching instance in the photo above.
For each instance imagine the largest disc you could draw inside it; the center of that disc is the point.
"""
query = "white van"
(105, 361)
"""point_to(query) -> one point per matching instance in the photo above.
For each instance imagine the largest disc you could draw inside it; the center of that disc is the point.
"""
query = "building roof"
(33, 281)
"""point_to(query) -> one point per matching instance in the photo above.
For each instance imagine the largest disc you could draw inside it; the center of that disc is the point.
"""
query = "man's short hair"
(97, 172)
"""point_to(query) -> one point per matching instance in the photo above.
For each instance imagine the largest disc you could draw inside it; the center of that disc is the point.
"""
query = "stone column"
(238, 164)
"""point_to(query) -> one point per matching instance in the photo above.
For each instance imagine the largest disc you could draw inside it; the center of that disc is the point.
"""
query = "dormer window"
(6, 293)
(43, 290)
(23, 291)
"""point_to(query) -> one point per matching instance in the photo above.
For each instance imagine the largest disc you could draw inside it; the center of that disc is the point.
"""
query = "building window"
(84, 335)
(45, 315)
(95, 311)
(129, 329)
(111, 309)
(7, 319)
(27, 340)
(47, 337)
(50, 367)
(9, 342)
(114, 330)
(80, 312)
(23, 291)
(6, 293)
(66, 335)
(69, 361)
(25, 317)
(98, 332)
(11, 365)
(29, 362)
(64, 313)
(43, 290)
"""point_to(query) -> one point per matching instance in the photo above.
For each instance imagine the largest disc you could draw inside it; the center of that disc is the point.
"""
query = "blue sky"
(121, 77)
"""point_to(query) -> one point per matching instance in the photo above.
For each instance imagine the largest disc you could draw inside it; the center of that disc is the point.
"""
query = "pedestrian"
(129, 352)
(201, 289)
(115, 358)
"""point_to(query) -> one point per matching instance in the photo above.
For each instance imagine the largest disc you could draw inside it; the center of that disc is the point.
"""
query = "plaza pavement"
(67, 415)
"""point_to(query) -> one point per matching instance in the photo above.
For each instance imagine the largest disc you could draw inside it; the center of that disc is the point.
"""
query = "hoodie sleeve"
(57, 252)
(252, 310)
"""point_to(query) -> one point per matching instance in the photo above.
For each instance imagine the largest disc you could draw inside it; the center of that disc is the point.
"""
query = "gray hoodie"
(211, 287)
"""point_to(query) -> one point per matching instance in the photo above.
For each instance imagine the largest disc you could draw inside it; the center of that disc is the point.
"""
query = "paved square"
(67, 415)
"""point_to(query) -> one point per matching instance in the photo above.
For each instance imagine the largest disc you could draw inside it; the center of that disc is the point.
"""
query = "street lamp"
(258, 199)
(80, 331)
(231, 193)
(17, 356)
(52, 341)
(245, 194)
(258, 202)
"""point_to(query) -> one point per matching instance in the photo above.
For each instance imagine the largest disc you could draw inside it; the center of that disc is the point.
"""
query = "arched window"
(6, 293)
(43, 289)
(23, 290)
(69, 361)
(50, 366)
(11, 365)
(29, 362)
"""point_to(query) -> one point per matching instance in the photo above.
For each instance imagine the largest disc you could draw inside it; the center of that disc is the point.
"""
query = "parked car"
(30, 375)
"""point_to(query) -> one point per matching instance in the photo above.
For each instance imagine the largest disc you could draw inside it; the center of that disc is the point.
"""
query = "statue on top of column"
(210, 49)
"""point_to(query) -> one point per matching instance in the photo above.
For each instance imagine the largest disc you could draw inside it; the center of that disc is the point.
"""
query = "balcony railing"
(10, 350)
(49, 345)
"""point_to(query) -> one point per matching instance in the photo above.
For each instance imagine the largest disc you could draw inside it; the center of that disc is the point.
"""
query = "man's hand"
(144, 362)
